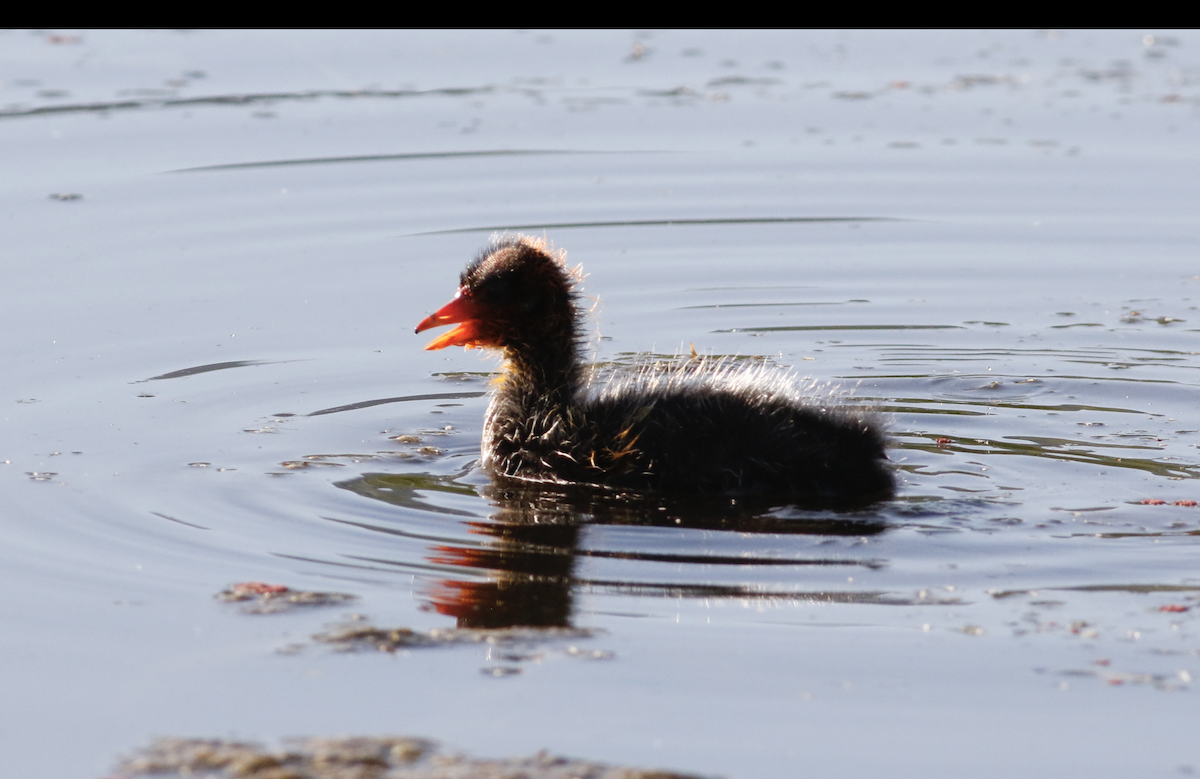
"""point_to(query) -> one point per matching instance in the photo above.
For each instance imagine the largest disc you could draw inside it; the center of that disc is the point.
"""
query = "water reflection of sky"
(988, 235)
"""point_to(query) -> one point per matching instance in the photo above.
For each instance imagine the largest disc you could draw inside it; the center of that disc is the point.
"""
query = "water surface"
(990, 237)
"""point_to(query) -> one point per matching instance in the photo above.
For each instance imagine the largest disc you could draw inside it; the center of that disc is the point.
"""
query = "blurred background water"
(990, 236)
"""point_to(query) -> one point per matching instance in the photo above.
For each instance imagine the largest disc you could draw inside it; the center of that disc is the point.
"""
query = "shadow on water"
(1049, 448)
(169, 100)
(758, 220)
(522, 570)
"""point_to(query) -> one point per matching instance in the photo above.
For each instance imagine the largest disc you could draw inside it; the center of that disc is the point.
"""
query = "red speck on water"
(1153, 502)
(1173, 608)
(260, 588)
(1185, 503)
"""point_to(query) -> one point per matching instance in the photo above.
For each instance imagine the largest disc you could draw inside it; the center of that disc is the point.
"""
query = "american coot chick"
(708, 426)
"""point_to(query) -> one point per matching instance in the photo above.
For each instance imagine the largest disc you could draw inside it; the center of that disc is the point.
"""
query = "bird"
(708, 425)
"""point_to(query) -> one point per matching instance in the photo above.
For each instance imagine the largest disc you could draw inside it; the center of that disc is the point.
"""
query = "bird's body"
(700, 426)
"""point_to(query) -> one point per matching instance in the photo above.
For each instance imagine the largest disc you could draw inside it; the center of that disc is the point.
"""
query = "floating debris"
(368, 638)
(263, 598)
(316, 758)
(297, 464)
(1166, 682)
(393, 757)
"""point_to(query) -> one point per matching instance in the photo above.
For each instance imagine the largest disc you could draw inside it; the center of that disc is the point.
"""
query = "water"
(989, 236)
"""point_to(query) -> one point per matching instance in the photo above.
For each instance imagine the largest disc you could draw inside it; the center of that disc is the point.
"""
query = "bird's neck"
(533, 408)
(543, 378)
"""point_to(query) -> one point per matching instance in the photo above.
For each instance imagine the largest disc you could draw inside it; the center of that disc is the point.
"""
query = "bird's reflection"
(532, 542)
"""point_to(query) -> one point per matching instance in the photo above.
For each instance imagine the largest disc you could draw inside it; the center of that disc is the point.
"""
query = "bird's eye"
(497, 290)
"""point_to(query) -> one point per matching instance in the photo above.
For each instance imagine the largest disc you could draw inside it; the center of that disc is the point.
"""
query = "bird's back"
(739, 432)
(706, 427)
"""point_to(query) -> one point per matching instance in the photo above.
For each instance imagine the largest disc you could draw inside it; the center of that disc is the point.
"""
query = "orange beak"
(464, 312)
